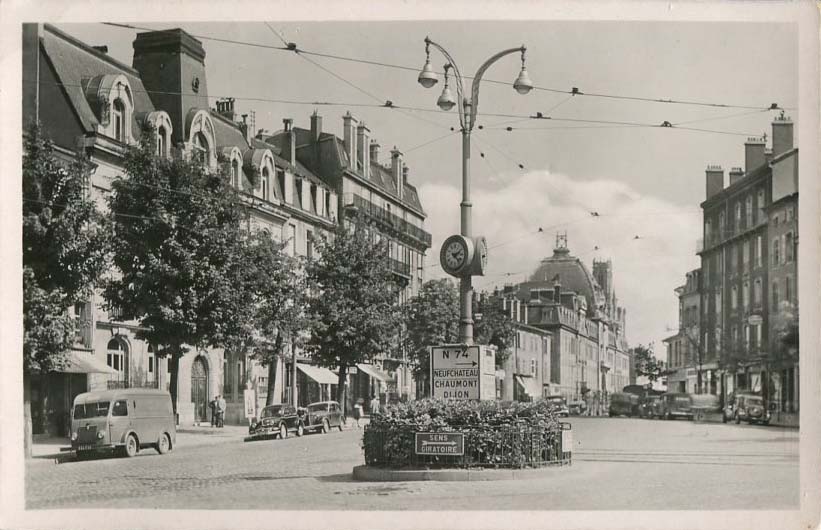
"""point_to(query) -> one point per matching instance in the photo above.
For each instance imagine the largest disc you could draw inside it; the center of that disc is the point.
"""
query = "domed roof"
(568, 271)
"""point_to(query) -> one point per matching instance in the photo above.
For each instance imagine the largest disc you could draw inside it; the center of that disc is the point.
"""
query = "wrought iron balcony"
(386, 218)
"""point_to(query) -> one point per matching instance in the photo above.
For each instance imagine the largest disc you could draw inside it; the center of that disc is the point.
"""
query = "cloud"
(645, 269)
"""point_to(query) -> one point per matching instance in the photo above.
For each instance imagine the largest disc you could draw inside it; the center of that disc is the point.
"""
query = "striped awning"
(323, 376)
(374, 372)
(85, 363)
(530, 386)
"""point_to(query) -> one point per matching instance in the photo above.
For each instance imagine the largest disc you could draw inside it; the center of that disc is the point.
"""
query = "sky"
(642, 181)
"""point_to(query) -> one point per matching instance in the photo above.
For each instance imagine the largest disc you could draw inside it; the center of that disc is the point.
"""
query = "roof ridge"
(93, 51)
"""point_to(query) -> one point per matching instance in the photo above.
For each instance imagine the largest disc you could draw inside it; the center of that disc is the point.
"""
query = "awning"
(374, 372)
(85, 363)
(530, 386)
(323, 376)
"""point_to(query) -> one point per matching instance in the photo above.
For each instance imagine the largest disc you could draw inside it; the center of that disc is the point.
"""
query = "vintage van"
(126, 420)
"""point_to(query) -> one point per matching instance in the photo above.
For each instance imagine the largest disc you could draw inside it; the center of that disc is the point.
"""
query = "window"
(226, 378)
(235, 173)
(745, 293)
(737, 216)
(265, 173)
(718, 301)
(118, 119)
(790, 213)
(775, 295)
(533, 366)
(745, 246)
(734, 297)
(721, 225)
(152, 364)
(757, 292)
(708, 232)
(758, 336)
(327, 203)
(202, 152)
(161, 132)
(776, 252)
(746, 336)
(760, 205)
(115, 358)
(120, 408)
(309, 244)
(788, 289)
(281, 181)
(748, 207)
(788, 247)
(758, 250)
(292, 239)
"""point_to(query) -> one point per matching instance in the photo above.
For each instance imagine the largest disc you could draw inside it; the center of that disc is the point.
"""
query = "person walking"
(220, 411)
(357, 412)
(213, 406)
(374, 405)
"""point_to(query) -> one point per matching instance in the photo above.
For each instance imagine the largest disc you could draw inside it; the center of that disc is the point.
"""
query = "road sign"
(455, 372)
(440, 443)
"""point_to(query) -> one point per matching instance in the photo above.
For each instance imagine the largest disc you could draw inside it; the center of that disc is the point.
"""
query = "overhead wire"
(289, 46)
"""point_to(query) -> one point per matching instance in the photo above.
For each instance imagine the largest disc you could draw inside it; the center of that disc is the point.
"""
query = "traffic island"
(445, 440)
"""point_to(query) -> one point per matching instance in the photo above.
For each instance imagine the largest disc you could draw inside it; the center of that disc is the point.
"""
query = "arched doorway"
(199, 389)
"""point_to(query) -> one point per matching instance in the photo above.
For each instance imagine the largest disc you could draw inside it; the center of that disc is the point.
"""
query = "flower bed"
(496, 434)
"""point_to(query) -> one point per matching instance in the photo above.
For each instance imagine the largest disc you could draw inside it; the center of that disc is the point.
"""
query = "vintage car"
(276, 420)
(577, 408)
(676, 405)
(558, 405)
(749, 407)
(321, 417)
(649, 406)
(623, 403)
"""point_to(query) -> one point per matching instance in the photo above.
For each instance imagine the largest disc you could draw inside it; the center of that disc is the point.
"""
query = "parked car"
(649, 406)
(559, 405)
(277, 420)
(321, 417)
(676, 405)
(623, 403)
(126, 420)
(576, 408)
(750, 407)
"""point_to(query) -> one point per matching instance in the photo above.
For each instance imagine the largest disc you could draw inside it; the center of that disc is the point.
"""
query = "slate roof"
(227, 133)
(76, 63)
(573, 276)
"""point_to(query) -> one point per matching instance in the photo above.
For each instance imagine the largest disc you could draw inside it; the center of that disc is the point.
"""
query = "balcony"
(387, 219)
(402, 269)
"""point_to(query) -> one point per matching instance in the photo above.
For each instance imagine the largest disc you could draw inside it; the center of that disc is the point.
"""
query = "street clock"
(479, 266)
(456, 255)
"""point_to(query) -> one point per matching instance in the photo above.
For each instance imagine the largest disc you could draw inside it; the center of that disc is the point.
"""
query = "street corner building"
(571, 333)
(735, 310)
(309, 180)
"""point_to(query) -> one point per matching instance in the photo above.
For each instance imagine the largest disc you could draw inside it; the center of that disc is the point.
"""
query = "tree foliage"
(431, 317)
(180, 250)
(353, 308)
(494, 327)
(65, 250)
(647, 365)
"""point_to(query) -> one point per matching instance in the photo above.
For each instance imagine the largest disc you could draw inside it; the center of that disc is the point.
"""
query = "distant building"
(527, 368)
(684, 348)
(588, 351)
(749, 267)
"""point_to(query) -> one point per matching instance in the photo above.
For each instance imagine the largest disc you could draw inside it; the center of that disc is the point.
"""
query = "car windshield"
(755, 401)
(270, 412)
(91, 410)
(321, 407)
(683, 400)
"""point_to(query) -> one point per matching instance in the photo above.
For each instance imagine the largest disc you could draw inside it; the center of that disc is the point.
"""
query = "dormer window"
(161, 147)
(235, 173)
(201, 149)
(264, 182)
(118, 119)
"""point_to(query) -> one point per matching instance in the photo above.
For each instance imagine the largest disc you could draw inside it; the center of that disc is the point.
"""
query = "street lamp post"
(463, 256)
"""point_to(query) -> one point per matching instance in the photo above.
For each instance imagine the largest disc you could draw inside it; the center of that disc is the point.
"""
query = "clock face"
(455, 255)
(480, 260)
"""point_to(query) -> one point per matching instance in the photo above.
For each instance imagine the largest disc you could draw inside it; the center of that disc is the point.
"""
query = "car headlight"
(100, 435)
(74, 436)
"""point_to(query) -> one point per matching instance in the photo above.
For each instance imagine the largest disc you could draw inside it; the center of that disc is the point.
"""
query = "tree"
(353, 310)
(278, 299)
(65, 250)
(431, 317)
(179, 250)
(494, 326)
(647, 365)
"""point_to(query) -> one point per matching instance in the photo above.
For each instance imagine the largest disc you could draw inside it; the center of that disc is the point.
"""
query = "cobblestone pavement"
(618, 463)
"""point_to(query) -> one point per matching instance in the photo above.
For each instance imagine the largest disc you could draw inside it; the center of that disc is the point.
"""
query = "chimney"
(225, 107)
(374, 151)
(349, 130)
(735, 174)
(396, 169)
(715, 180)
(768, 155)
(288, 141)
(363, 150)
(405, 171)
(316, 127)
(782, 135)
(753, 154)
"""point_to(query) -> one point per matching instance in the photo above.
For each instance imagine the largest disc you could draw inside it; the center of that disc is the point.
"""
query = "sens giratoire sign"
(440, 443)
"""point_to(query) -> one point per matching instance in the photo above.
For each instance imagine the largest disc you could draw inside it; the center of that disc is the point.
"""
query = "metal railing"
(381, 214)
(509, 446)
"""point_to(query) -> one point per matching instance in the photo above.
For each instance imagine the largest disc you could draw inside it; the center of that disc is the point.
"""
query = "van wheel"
(283, 431)
(300, 429)
(164, 444)
(326, 427)
(131, 446)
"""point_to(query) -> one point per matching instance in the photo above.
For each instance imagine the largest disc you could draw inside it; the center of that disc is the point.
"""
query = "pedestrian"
(374, 405)
(357, 412)
(220, 411)
(213, 406)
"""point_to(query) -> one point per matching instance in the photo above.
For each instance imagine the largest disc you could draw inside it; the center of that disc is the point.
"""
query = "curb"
(373, 474)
